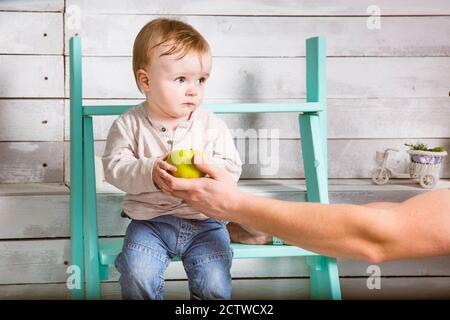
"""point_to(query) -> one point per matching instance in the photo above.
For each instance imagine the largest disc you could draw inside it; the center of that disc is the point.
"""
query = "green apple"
(183, 161)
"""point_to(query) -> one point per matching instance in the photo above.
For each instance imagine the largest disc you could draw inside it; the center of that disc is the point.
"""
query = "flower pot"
(427, 157)
(426, 165)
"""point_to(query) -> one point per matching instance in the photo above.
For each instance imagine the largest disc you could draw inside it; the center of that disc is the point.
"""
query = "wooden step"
(111, 248)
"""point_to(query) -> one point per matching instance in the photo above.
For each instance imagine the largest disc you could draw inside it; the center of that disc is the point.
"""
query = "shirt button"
(163, 129)
(169, 142)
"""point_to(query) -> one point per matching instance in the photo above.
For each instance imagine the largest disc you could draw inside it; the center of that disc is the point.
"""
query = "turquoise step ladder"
(93, 256)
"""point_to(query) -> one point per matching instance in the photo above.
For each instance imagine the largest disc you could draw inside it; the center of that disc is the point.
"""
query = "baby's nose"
(192, 92)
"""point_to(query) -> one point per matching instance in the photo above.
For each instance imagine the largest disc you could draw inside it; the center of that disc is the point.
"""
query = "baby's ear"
(143, 80)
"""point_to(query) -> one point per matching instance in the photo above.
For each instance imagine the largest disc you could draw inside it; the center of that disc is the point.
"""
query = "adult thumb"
(208, 167)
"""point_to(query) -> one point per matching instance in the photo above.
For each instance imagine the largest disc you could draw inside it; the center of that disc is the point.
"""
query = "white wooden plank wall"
(386, 87)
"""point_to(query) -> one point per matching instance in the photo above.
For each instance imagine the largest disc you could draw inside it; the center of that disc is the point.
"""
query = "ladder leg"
(324, 278)
(76, 167)
(324, 275)
(313, 158)
(92, 258)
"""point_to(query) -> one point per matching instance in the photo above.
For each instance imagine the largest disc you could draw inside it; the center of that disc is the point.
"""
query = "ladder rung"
(298, 107)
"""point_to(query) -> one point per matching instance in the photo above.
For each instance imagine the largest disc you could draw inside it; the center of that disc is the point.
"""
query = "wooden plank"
(296, 267)
(37, 216)
(270, 78)
(38, 68)
(31, 162)
(174, 290)
(101, 124)
(41, 261)
(47, 216)
(31, 120)
(33, 261)
(258, 36)
(25, 162)
(255, 7)
(405, 186)
(36, 210)
(348, 158)
(259, 289)
(36, 189)
(388, 118)
(363, 119)
(398, 288)
(31, 33)
(436, 266)
(46, 261)
(33, 5)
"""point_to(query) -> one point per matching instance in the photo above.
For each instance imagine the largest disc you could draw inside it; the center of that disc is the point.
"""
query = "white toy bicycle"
(382, 174)
(424, 165)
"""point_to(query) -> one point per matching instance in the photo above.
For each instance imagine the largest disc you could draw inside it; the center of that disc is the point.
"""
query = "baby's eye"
(180, 79)
(202, 80)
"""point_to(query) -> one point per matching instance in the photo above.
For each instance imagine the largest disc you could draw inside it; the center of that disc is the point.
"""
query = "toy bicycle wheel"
(428, 181)
(380, 176)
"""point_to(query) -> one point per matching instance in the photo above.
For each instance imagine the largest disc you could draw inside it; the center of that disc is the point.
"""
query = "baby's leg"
(207, 262)
(142, 262)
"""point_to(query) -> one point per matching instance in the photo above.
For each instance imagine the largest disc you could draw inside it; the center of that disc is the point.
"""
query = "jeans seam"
(225, 255)
(147, 250)
(161, 283)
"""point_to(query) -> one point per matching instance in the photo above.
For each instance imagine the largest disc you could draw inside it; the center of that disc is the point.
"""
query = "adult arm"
(418, 227)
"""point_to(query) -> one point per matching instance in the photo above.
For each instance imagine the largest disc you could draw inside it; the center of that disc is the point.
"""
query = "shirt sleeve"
(121, 167)
(225, 153)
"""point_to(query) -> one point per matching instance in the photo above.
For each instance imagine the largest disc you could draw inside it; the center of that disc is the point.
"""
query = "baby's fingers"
(165, 189)
(164, 165)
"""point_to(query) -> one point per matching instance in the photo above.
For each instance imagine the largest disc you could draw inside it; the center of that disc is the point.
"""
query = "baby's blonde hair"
(180, 38)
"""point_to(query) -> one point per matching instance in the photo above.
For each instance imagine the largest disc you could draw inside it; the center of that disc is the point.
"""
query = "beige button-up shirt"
(135, 141)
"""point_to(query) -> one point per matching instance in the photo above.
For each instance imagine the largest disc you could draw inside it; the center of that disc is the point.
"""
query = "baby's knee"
(141, 269)
(212, 282)
(216, 287)
(141, 276)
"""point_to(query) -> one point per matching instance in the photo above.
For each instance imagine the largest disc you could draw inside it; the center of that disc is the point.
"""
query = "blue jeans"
(149, 246)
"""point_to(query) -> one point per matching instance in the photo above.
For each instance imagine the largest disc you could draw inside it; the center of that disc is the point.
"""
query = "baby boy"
(171, 63)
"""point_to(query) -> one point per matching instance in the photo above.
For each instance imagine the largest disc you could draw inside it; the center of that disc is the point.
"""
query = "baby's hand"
(160, 174)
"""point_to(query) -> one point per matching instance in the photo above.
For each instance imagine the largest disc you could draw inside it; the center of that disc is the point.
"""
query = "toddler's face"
(176, 86)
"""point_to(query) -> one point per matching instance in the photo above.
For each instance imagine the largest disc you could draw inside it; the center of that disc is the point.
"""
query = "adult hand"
(217, 195)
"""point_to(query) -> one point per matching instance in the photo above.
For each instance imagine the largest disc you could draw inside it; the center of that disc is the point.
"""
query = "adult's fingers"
(183, 184)
(209, 168)
(164, 186)
(166, 177)
(185, 195)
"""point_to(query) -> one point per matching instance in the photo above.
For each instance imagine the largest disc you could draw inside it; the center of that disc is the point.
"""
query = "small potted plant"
(425, 163)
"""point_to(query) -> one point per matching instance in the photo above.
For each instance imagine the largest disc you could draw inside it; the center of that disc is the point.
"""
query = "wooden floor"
(35, 247)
